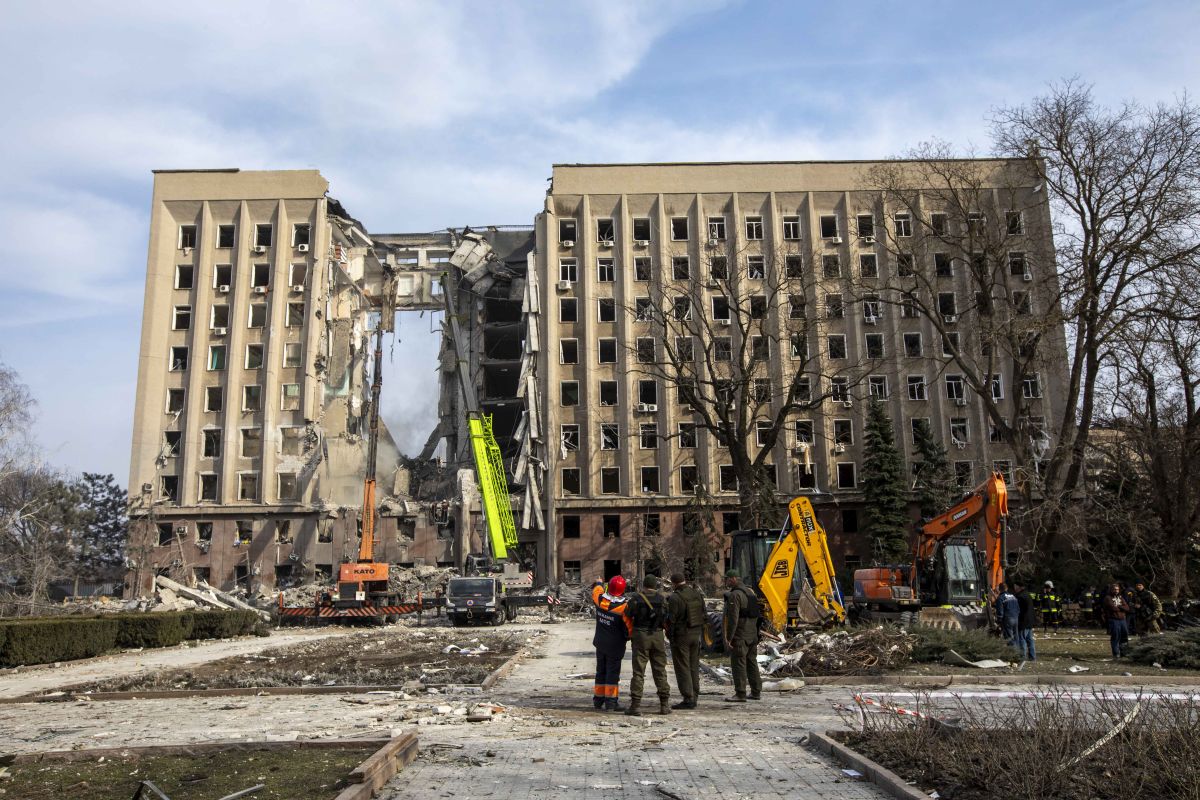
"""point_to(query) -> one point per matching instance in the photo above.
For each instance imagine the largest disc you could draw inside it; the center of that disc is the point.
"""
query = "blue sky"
(424, 115)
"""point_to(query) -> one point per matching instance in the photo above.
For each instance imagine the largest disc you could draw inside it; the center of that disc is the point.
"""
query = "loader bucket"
(955, 618)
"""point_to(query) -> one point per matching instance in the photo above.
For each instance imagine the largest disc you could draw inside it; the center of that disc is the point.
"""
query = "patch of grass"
(288, 774)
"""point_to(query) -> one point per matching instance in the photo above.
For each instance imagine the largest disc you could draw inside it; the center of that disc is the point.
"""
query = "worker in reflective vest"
(613, 630)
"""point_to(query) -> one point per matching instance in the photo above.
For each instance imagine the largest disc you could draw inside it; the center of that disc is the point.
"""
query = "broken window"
(222, 277)
(291, 440)
(252, 398)
(641, 229)
(208, 488)
(719, 268)
(219, 317)
(171, 441)
(289, 491)
(607, 351)
(610, 483)
(1014, 223)
(179, 359)
(793, 266)
(174, 401)
(225, 236)
(679, 229)
(839, 389)
(728, 478)
(254, 356)
(791, 229)
(244, 532)
(997, 384)
(568, 309)
(568, 393)
(570, 526)
(943, 265)
(608, 393)
(760, 349)
(797, 307)
(874, 345)
(804, 431)
(756, 267)
(1017, 265)
(292, 354)
(187, 237)
(866, 226)
(716, 229)
(216, 357)
(762, 432)
(568, 351)
(650, 483)
(843, 431)
(689, 478)
(648, 435)
(846, 475)
(975, 222)
(213, 398)
(184, 274)
(687, 435)
(605, 270)
(210, 443)
(955, 388)
(912, 345)
(1022, 304)
(251, 442)
(262, 235)
(1005, 470)
(758, 306)
(572, 573)
(681, 269)
(1031, 386)
(301, 233)
(964, 473)
(905, 265)
(947, 306)
(681, 308)
(648, 392)
(834, 308)
(169, 487)
(872, 309)
(877, 386)
(643, 310)
(567, 232)
(641, 269)
(569, 438)
(684, 348)
(799, 342)
(610, 436)
(903, 222)
(295, 315)
(939, 224)
(607, 309)
(258, 315)
(646, 350)
(916, 387)
(298, 275)
(567, 269)
(831, 266)
(166, 533)
(868, 265)
(829, 226)
(722, 348)
(261, 275)
(606, 232)
(182, 319)
(204, 531)
(291, 397)
(754, 228)
(960, 432)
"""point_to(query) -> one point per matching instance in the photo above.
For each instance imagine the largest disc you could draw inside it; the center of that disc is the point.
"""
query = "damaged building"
(262, 293)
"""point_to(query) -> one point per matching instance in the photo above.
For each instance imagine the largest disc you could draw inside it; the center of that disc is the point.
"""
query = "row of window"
(264, 235)
(291, 442)
(214, 398)
(753, 227)
(839, 390)
(287, 487)
(217, 356)
(944, 266)
(260, 277)
(218, 317)
(243, 534)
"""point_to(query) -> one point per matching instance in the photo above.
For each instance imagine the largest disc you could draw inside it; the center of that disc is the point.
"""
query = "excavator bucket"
(955, 618)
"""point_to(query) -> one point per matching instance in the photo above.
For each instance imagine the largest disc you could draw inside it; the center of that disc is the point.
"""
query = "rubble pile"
(862, 652)
(408, 581)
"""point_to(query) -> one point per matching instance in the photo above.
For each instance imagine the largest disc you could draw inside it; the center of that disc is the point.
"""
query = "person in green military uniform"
(647, 611)
(1148, 608)
(741, 636)
(685, 623)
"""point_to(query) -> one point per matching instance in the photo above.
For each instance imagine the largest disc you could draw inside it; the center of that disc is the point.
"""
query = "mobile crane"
(768, 561)
(949, 579)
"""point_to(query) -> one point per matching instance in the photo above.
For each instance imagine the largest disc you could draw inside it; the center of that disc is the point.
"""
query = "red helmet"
(616, 586)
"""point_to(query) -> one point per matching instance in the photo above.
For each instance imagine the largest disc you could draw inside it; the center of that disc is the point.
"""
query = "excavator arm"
(805, 538)
(987, 502)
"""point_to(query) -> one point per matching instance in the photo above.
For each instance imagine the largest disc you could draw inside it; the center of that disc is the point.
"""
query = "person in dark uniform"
(612, 632)
(647, 612)
(685, 624)
(741, 636)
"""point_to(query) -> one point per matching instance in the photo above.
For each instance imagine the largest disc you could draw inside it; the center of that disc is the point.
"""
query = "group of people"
(1121, 611)
(650, 619)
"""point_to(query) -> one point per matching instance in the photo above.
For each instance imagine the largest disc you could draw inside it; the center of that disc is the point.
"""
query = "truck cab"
(475, 599)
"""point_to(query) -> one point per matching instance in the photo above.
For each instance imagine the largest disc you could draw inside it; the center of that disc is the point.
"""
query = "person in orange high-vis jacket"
(613, 629)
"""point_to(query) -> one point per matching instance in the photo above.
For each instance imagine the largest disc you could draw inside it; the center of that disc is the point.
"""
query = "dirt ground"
(288, 775)
(380, 657)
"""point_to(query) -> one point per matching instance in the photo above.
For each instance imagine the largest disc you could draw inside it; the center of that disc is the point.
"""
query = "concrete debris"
(871, 650)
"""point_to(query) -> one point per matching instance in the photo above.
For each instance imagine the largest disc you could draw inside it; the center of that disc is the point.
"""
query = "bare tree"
(734, 339)
(40, 516)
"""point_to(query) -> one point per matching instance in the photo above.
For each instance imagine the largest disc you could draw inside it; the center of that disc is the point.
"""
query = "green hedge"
(46, 640)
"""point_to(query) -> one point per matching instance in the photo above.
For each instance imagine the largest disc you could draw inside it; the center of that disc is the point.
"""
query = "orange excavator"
(950, 581)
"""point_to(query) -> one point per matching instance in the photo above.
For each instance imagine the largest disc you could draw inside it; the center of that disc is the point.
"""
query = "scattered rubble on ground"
(413, 658)
(865, 651)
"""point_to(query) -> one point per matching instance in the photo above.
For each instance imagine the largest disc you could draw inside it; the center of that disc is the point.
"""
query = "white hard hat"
(1050, 584)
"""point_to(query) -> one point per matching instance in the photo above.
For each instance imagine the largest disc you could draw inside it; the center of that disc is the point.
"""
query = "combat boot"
(664, 706)
(683, 704)
(737, 698)
(633, 711)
